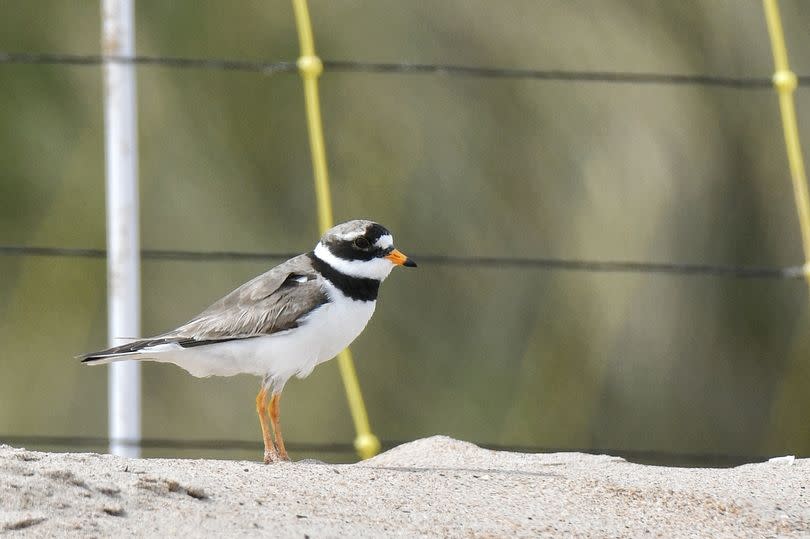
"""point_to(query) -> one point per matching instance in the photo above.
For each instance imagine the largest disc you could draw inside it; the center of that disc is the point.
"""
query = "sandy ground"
(435, 487)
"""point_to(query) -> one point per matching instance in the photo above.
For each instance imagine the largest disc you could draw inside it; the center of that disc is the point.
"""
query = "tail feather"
(144, 348)
(123, 352)
(103, 360)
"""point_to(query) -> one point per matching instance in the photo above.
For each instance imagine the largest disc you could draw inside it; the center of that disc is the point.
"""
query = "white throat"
(376, 268)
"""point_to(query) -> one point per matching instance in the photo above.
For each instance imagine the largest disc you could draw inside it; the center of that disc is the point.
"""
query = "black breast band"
(358, 288)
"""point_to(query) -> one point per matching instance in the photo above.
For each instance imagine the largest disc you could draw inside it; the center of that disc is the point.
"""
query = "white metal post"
(123, 237)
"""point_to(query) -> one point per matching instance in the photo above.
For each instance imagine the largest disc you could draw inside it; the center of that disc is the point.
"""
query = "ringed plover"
(283, 323)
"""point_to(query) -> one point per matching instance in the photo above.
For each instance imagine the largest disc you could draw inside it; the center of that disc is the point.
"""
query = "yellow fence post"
(310, 68)
(785, 82)
(784, 410)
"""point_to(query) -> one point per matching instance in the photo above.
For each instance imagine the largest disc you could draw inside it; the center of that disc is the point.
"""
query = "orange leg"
(270, 453)
(275, 413)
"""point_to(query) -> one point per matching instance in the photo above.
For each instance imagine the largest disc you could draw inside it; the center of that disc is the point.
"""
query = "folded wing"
(275, 301)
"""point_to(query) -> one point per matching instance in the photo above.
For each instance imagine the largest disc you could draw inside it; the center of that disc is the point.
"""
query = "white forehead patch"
(384, 242)
(348, 236)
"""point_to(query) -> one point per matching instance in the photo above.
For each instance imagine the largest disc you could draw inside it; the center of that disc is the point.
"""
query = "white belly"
(320, 336)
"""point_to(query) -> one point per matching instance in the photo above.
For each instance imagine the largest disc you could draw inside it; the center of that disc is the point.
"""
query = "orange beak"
(398, 258)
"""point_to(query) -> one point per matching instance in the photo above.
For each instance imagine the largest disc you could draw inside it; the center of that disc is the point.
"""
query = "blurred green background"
(452, 165)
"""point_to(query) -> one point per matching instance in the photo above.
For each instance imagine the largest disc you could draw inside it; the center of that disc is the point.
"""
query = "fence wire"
(271, 68)
(561, 264)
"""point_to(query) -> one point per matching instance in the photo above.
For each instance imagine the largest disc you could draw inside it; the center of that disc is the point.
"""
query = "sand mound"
(432, 487)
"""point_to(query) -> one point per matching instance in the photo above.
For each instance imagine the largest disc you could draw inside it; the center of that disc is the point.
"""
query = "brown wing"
(272, 302)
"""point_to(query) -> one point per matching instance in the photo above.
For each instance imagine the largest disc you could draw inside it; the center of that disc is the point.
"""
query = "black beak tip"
(409, 263)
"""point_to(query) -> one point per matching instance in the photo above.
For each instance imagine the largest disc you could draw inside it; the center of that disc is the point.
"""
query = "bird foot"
(271, 457)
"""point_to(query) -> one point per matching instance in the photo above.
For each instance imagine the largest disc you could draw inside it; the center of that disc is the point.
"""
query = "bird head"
(361, 248)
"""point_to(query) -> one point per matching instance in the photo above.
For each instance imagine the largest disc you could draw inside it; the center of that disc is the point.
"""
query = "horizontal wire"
(171, 443)
(222, 64)
(555, 74)
(150, 254)
(347, 447)
(593, 266)
(269, 68)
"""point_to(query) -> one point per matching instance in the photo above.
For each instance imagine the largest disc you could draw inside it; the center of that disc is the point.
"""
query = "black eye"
(361, 243)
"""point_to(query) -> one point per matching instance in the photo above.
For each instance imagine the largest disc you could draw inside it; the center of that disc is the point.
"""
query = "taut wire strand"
(310, 67)
(494, 262)
(405, 68)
